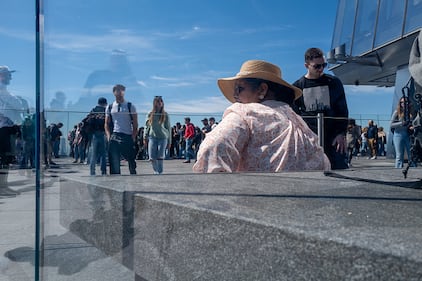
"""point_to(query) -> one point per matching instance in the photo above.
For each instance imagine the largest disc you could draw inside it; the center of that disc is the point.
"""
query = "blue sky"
(176, 49)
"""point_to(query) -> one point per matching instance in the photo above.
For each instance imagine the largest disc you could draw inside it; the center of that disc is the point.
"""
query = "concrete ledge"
(100, 215)
(351, 225)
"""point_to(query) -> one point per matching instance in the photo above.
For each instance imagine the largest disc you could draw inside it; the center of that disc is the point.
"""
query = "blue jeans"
(401, 141)
(121, 145)
(156, 152)
(80, 151)
(189, 151)
(98, 151)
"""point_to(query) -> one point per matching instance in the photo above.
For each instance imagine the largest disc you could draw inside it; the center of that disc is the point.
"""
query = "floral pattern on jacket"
(260, 137)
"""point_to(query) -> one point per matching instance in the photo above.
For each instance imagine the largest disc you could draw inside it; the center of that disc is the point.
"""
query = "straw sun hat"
(255, 69)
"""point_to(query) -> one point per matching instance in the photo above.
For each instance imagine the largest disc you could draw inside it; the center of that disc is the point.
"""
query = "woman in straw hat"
(260, 131)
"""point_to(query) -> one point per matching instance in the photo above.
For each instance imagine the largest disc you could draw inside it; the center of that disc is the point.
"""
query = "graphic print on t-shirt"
(317, 99)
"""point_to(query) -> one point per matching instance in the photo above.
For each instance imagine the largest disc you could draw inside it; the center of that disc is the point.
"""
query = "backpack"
(94, 121)
(53, 132)
(110, 119)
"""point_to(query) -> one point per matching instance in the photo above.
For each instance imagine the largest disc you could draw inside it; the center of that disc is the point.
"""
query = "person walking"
(324, 94)
(352, 137)
(121, 127)
(158, 134)
(401, 137)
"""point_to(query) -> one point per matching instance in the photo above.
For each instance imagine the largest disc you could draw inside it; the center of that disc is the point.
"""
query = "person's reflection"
(12, 109)
(11, 106)
(7, 130)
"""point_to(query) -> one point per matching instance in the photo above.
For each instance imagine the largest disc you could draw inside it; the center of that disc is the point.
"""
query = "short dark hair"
(187, 119)
(313, 53)
(102, 101)
(119, 87)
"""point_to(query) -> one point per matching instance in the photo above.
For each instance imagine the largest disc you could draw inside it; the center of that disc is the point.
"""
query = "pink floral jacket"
(260, 137)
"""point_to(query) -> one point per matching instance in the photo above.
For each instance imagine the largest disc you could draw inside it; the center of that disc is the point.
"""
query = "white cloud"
(160, 78)
(114, 39)
(368, 90)
(186, 80)
(213, 104)
(142, 83)
(27, 35)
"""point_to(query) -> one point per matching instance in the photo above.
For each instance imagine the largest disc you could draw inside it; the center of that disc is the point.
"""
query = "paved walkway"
(17, 217)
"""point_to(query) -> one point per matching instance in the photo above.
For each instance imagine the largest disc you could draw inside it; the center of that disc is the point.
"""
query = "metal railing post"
(320, 121)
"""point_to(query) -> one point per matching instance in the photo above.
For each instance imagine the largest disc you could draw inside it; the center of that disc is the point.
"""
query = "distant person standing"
(158, 134)
(323, 93)
(212, 123)
(372, 136)
(98, 142)
(121, 128)
(70, 138)
(381, 141)
(189, 137)
(53, 134)
(28, 136)
(206, 129)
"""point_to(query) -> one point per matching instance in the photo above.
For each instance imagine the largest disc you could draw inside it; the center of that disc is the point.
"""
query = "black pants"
(121, 145)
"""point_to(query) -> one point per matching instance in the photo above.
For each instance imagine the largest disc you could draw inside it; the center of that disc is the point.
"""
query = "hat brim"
(226, 85)
(7, 71)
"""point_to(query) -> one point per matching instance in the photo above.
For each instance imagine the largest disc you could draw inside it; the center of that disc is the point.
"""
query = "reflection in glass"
(365, 27)
(11, 106)
(414, 15)
(344, 24)
(390, 21)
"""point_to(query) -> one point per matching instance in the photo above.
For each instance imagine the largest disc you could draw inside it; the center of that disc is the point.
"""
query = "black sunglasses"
(319, 65)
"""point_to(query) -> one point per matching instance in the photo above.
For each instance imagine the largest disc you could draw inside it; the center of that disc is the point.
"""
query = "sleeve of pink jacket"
(221, 149)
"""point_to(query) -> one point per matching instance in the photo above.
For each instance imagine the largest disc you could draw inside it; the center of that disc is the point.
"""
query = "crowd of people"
(155, 142)
(369, 141)
(271, 126)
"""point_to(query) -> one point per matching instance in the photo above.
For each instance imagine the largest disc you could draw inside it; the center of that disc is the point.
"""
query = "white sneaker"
(373, 157)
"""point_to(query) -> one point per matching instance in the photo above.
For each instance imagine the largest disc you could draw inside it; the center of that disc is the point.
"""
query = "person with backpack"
(121, 127)
(95, 122)
(53, 138)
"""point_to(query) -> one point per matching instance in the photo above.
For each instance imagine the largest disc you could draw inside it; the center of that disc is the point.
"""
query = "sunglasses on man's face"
(319, 65)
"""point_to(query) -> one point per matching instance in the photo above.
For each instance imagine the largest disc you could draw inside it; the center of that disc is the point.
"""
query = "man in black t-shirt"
(323, 93)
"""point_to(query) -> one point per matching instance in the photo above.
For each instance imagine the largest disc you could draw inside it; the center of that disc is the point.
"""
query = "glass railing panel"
(390, 21)
(17, 144)
(413, 15)
(343, 29)
(364, 27)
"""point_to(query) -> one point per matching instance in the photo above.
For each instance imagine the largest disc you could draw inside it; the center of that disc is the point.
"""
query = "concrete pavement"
(68, 257)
